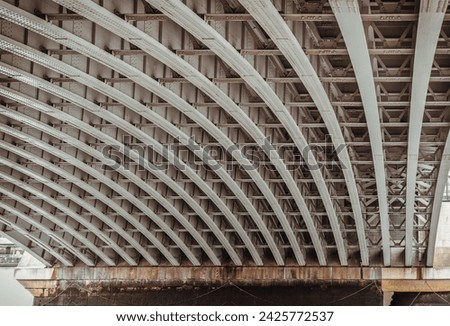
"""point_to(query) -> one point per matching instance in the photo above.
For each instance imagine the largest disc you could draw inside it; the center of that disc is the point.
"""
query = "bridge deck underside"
(126, 139)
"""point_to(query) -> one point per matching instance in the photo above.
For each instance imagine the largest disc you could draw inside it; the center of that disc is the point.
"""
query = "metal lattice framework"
(224, 132)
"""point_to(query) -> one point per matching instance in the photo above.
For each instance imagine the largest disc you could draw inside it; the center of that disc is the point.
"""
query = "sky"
(11, 292)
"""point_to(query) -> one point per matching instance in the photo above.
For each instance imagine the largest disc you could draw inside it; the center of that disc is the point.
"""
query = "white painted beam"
(270, 20)
(75, 43)
(140, 109)
(350, 23)
(66, 244)
(192, 23)
(63, 191)
(156, 49)
(431, 16)
(62, 224)
(97, 194)
(68, 158)
(100, 157)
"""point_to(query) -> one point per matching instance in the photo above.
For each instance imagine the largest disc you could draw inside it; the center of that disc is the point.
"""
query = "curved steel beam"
(58, 91)
(431, 16)
(183, 16)
(88, 261)
(68, 158)
(215, 132)
(274, 25)
(63, 37)
(350, 23)
(100, 157)
(442, 180)
(160, 52)
(73, 198)
(192, 23)
(164, 124)
(97, 194)
(25, 234)
(63, 225)
(89, 81)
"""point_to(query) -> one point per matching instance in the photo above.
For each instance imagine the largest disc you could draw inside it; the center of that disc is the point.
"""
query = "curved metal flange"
(98, 233)
(26, 248)
(442, 180)
(192, 23)
(350, 23)
(66, 244)
(58, 91)
(183, 16)
(63, 225)
(81, 46)
(161, 53)
(97, 194)
(165, 125)
(431, 16)
(68, 158)
(273, 24)
(221, 172)
(100, 157)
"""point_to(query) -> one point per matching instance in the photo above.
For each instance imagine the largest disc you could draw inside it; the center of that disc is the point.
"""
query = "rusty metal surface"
(118, 283)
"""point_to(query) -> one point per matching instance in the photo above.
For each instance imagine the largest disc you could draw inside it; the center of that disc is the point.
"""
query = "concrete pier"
(234, 285)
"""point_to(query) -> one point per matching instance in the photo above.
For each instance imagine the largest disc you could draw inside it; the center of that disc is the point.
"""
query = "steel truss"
(224, 132)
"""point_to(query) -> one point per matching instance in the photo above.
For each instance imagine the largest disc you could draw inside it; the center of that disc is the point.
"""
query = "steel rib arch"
(279, 212)
(111, 141)
(98, 155)
(431, 17)
(58, 91)
(146, 43)
(140, 109)
(350, 23)
(44, 163)
(68, 158)
(88, 261)
(39, 178)
(38, 241)
(91, 51)
(184, 16)
(70, 213)
(54, 64)
(270, 20)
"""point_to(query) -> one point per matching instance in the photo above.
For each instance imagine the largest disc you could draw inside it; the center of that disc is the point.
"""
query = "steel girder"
(183, 16)
(147, 42)
(76, 181)
(252, 92)
(92, 82)
(431, 16)
(269, 18)
(350, 23)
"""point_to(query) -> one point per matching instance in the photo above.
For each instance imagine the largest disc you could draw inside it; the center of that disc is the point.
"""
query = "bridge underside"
(167, 135)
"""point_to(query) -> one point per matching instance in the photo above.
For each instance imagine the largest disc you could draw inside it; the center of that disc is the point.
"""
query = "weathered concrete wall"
(442, 252)
(328, 293)
(228, 285)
